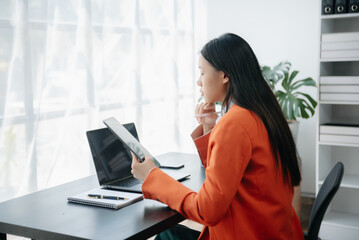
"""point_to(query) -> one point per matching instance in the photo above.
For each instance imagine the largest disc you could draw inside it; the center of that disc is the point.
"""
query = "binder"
(327, 7)
(339, 80)
(83, 198)
(340, 45)
(340, 37)
(353, 6)
(339, 89)
(339, 138)
(339, 129)
(340, 6)
(346, 97)
(340, 54)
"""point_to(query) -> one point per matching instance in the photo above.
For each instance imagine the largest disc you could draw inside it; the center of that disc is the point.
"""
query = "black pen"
(106, 197)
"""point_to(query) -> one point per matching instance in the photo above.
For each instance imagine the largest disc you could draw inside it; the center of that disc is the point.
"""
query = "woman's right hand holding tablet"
(206, 115)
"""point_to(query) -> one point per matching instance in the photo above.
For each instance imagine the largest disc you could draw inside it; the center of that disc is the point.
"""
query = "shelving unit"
(342, 218)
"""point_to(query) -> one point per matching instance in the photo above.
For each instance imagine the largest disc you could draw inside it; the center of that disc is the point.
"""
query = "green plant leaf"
(308, 107)
(292, 76)
(297, 112)
(305, 82)
(280, 95)
(311, 100)
(273, 76)
(304, 105)
(285, 83)
(280, 69)
(303, 113)
(293, 103)
(285, 108)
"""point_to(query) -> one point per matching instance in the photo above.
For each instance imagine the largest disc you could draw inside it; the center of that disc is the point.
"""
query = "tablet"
(128, 139)
(133, 144)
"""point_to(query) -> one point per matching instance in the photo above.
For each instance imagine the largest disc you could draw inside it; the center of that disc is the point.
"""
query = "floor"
(306, 208)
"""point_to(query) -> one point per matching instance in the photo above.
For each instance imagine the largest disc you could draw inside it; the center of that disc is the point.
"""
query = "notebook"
(83, 198)
(113, 160)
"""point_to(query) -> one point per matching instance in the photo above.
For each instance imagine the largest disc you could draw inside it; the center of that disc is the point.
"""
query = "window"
(66, 65)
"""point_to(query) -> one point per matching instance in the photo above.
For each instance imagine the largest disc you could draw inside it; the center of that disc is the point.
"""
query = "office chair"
(325, 195)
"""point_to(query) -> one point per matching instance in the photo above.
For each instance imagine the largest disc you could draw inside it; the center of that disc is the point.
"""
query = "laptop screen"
(112, 159)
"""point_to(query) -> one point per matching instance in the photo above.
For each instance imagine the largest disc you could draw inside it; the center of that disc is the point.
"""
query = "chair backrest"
(325, 195)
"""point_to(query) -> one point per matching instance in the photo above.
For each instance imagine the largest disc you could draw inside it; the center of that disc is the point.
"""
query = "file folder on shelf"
(340, 54)
(340, 6)
(338, 37)
(327, 7)
(339, 129)
(339, 80)
(339, 133)
(353, 6)
(339, 88)
(340, 45)
(345, 97)
(339, 138)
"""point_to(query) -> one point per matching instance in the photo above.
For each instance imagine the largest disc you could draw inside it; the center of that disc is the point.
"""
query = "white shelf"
(349, 181)
(338, 225)
(338, 144)
(338, 103)
(340, 16)
(342, 219)
(339, 59)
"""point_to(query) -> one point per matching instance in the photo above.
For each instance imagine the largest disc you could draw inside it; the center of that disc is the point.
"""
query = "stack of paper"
(339, 133)
(339, 88)
(340, 45)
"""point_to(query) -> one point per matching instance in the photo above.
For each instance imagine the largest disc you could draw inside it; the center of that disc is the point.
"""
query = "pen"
(106, 197)
(206, 114)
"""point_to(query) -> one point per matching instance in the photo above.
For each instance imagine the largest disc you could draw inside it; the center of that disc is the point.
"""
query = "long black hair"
(247, 88)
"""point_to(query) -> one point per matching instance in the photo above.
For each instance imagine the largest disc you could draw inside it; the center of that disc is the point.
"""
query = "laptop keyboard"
(127, 183)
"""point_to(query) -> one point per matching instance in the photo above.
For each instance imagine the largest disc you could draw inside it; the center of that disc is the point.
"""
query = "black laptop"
(113, 160)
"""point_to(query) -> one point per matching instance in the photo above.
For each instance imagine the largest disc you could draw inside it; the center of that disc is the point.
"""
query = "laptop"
(112, 160)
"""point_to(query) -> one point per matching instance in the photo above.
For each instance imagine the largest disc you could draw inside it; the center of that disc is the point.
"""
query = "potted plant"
(294, 103)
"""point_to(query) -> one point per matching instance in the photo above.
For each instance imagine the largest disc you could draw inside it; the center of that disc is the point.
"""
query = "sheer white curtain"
(65, 65)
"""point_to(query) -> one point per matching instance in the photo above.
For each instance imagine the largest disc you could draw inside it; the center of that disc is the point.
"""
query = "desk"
(47, 214)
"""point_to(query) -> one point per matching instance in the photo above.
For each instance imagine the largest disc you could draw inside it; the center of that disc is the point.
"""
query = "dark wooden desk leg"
(2, 236)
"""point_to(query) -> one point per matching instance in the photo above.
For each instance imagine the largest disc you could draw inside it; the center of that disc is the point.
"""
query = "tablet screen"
(128, 139)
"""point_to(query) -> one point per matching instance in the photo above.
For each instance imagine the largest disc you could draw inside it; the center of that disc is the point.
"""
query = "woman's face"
(213, 83)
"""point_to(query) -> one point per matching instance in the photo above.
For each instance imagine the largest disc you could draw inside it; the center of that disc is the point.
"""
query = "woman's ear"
(225, 78)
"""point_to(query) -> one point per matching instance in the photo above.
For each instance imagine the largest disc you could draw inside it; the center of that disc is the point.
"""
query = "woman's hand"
(206, 115)
(141, 170)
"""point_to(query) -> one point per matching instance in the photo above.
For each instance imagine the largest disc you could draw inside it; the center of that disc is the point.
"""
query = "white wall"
(278, 30)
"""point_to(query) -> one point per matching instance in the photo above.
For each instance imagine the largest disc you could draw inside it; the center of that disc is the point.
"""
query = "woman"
(249, 155)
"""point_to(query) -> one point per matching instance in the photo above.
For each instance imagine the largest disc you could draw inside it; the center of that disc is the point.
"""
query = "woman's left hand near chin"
(209, 120)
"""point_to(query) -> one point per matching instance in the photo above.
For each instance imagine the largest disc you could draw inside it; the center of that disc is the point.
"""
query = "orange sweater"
(243, 195)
